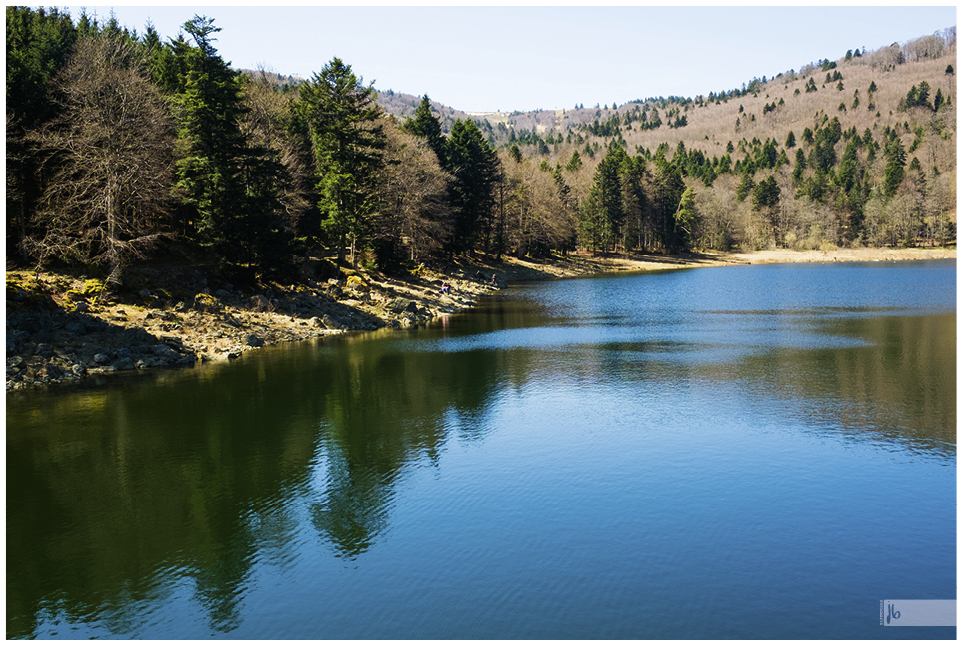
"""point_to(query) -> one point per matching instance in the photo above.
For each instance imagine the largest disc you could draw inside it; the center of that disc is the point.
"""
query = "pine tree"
(424, 124)
(348, 145)
(895, 162)
(745, 187)
(574, 163)
(474, 166)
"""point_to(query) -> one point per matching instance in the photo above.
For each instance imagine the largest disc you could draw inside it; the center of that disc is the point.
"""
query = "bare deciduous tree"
(415, 214)
(109, 159)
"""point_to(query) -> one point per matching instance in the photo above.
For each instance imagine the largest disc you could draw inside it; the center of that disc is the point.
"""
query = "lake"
(745, 452)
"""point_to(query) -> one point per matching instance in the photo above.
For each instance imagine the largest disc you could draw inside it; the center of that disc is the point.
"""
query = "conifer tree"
(574, 163)
(228, 186)
(895, 162)
(425, 125)
(474, 166)
(348, 145)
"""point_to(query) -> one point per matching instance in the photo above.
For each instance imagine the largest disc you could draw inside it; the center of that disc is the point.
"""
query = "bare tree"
(415, 214)
(108, 162)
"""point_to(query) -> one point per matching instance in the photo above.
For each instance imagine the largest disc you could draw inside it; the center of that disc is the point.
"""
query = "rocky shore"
(62, 327)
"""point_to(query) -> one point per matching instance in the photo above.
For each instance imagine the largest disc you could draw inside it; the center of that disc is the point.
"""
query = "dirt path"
(62, 328)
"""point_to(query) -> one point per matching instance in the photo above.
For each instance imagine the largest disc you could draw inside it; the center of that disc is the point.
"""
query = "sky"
(505, 58)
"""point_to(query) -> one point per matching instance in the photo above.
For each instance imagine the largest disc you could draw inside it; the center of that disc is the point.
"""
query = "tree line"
(122, 145)
(119, 142)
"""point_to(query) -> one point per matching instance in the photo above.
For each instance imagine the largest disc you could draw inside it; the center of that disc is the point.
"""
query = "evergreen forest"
(125, 146)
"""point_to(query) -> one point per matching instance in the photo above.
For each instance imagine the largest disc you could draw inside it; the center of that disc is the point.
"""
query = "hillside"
(257, 173)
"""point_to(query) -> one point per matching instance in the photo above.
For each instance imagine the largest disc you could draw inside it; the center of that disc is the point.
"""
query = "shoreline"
(60, 329)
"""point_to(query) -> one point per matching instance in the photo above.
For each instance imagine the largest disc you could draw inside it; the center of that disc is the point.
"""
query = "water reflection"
(126, 502)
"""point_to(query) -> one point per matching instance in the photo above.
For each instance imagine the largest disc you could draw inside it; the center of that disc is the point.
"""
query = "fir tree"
(474, 165)
(229, 187)
(348, 145)
(895, 162)
(425, 125)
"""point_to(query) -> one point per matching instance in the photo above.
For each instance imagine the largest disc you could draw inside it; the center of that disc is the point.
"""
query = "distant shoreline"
(644, 262)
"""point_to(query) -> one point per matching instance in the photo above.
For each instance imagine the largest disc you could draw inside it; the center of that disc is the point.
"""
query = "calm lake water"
(743, 452)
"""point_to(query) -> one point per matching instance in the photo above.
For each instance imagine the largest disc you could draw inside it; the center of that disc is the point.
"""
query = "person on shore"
(446, 287)
(494, 280)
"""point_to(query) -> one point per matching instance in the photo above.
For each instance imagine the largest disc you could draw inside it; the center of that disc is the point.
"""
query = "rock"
(331, 323)
(79, 370)
(401, 305)
(254, 341)
(52, 372)
(16, 362)
(222, 294)
(145, 294)
(124, 364)
(315, 322)
(44, 350)
(101, 359)
(15, 339)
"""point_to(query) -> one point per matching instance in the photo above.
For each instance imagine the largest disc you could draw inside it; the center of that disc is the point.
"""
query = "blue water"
(751, 452)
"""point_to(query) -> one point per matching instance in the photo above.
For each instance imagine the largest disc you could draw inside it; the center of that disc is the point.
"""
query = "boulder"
(124, 364)
(331, 323)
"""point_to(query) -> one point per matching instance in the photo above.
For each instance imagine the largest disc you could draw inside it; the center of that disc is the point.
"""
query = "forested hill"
(123, 146)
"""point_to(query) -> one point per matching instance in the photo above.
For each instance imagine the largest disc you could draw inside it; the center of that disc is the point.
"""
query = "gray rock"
(101, 359)
(145, 294)
(331, 323)
(124, 364)
(16, 362)
(254, 341)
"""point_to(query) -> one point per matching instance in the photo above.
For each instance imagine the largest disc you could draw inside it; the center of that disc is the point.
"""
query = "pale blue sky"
(490, 58)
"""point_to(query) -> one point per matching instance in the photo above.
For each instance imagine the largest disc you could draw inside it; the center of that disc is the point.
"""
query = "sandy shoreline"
(55, 334)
